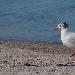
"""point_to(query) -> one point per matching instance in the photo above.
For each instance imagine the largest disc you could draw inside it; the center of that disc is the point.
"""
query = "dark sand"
(35, 58)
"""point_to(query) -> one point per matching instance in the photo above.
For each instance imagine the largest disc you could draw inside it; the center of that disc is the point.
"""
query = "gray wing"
(71, 38)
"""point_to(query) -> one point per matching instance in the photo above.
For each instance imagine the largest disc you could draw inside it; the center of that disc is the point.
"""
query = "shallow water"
(34, 19)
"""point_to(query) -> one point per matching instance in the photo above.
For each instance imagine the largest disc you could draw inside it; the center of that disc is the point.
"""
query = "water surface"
(34, 19)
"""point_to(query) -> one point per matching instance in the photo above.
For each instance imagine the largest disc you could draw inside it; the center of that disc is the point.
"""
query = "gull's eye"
(60, 25)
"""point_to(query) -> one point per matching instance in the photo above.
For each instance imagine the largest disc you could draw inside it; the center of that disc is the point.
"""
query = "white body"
(68, 38)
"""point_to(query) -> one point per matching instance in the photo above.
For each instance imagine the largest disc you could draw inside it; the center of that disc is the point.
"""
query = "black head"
(65, 25)
(62, 25)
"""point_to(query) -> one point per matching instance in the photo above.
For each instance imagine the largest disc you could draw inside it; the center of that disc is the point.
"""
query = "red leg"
(73, 54)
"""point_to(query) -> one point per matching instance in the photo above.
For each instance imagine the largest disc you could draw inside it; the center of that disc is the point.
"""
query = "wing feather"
(71, 38)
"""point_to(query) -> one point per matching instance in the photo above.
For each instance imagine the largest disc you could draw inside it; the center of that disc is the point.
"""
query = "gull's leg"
(73, 54)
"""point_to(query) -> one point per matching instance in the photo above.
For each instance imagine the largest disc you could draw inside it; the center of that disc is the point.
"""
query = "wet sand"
(35, 58)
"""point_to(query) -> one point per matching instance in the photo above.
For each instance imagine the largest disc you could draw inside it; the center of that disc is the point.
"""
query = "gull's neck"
(63, 33)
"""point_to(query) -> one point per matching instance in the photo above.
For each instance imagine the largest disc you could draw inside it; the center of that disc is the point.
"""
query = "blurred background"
(34, 20)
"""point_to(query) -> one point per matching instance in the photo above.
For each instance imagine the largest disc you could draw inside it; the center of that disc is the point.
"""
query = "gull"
(67, 37)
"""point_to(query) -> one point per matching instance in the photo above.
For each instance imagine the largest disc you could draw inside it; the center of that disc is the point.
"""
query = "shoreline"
(37, 41)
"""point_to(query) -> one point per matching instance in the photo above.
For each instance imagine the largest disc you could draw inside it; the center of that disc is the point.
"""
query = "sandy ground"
(35, 58)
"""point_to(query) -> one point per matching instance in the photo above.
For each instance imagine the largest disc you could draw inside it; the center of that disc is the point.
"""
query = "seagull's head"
(62, 25)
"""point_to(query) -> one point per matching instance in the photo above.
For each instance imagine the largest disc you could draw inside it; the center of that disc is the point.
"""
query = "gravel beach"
(35, 58)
